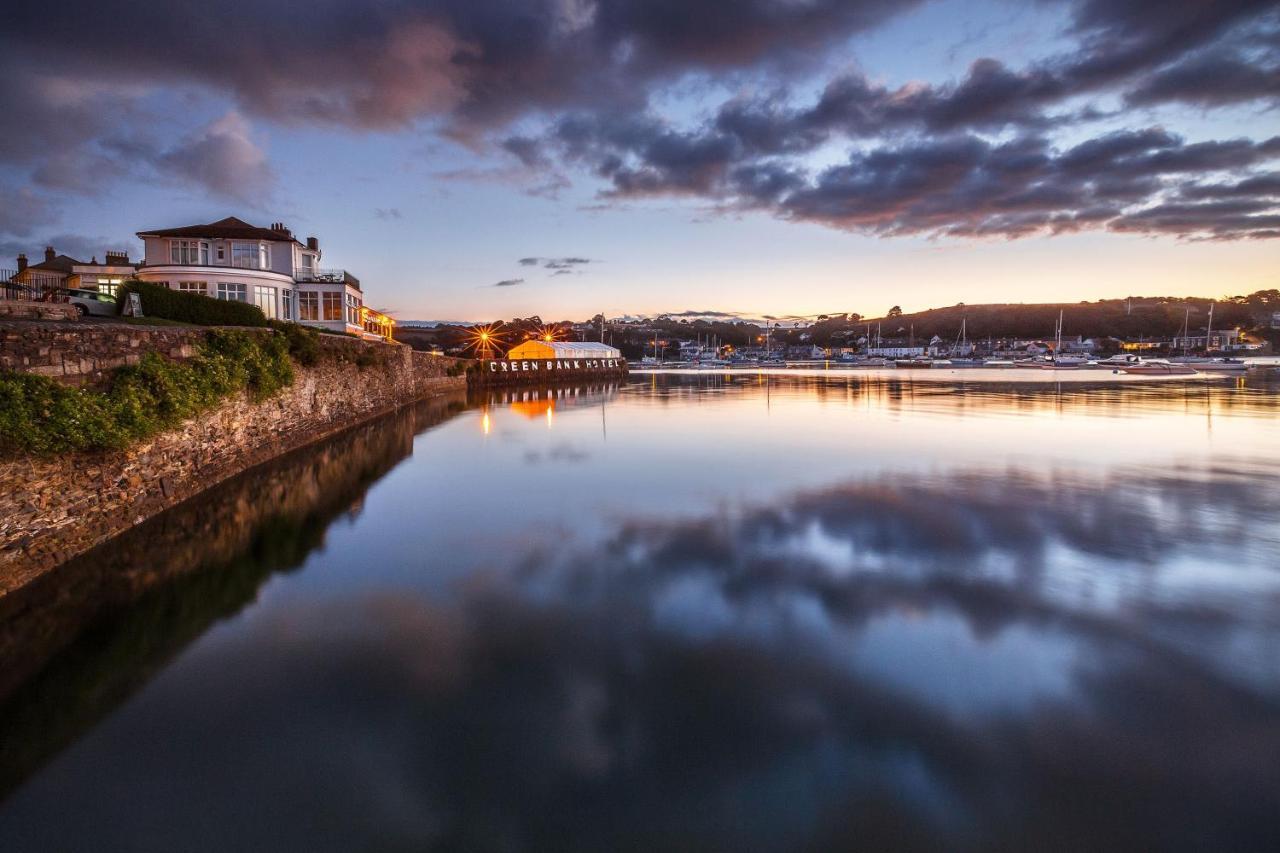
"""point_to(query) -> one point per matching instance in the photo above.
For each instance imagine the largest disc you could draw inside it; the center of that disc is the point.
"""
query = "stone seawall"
(52, 509)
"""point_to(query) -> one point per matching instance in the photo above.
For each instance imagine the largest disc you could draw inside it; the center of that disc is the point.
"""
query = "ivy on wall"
(39, 415)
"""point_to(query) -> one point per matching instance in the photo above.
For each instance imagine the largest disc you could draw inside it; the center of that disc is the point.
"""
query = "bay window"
(265, 298)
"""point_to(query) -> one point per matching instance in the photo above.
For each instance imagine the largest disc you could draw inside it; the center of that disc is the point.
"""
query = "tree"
(895, 311)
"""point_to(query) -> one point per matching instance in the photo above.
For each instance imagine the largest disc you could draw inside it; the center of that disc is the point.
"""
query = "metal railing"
(32, 287)
(318, 276)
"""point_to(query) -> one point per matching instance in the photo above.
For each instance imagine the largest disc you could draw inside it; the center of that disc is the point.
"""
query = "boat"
(961, 346)
(1159, 368)
(1117, 362)
(1062, 362)
(912, 363)
(966, 362)
(1220, 365)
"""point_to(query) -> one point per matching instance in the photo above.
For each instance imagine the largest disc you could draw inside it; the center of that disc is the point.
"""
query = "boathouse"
(562, 350)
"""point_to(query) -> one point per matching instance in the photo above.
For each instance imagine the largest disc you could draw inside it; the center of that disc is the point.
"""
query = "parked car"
(92, 302)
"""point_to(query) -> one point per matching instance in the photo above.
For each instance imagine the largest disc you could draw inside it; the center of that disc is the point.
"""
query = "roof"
(230, 228)
(61, 263)
(575, 349)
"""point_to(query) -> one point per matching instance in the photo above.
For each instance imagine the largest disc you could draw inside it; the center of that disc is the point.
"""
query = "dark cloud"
(509, 282)
(557, 266)
(590, 68)
(387, 213)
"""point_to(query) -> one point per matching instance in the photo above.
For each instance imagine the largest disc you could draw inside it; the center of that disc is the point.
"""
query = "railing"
(317, 276)
(33, 287)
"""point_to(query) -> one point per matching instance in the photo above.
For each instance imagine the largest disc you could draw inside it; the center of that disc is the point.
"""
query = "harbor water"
(687, 611)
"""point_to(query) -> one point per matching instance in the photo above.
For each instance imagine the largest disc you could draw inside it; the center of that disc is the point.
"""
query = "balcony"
(318, 276)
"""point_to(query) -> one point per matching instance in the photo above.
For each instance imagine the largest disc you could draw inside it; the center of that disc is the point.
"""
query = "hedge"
(41, 416)
(160, 301)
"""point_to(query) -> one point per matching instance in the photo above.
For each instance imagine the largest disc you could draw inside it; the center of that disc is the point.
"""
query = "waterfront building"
(1219, 339)
(267, 267)
(562, 349)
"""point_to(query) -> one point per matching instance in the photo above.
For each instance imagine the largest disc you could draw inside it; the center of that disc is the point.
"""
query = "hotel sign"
(552, 365)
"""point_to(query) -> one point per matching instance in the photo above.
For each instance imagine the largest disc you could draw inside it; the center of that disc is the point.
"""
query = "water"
(698, 612)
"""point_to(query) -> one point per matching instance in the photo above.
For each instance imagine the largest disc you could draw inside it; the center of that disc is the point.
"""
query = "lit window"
(308, 305)
(333, 306)
(265, 298)
(286, 304)
(199, 287)
(232, 291)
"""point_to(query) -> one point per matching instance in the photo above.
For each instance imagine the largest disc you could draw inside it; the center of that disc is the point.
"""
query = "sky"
(481, 159)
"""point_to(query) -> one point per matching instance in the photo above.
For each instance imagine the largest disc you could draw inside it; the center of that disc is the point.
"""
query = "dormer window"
(189, 252)
(307, 263)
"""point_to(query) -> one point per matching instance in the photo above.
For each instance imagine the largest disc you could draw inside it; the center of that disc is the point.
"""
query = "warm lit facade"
(267, 267)
(562, 349)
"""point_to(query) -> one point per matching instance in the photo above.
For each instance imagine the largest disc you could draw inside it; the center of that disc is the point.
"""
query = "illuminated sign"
(551, 365)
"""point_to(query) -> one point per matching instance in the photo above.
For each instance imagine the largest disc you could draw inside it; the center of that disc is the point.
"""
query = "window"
(222, 253)
(231, 291)
(265, 298)
(199, 287)
(307, 264)
(333, 306)
(189, 252)
(308, 305)
(286, 304)
(251, 256)
(353, 310)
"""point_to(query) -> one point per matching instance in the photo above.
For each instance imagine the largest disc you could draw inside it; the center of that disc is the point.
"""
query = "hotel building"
(267, 267)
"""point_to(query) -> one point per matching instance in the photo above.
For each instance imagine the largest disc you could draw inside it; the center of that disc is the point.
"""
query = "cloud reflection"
(975, 660)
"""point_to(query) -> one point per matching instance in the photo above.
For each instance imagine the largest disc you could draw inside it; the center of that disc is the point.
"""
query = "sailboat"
(1059, 361)
(962, 345)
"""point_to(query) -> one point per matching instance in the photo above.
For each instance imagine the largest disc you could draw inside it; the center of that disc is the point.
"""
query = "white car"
(91, 302)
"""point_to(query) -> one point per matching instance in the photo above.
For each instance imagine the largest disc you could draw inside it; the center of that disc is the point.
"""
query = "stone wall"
(80, 352)
(52, 509)
(22, 309)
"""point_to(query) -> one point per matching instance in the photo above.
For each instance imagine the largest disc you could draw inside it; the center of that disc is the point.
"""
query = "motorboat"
(1159, 368)
(1220, 365)
(912, 363)
(1118, 361)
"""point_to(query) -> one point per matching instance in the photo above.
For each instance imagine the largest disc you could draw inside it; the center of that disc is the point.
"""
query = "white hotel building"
(267, 267)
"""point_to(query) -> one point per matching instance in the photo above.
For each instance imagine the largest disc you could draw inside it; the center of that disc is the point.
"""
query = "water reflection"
(958, 647)
(79, 641)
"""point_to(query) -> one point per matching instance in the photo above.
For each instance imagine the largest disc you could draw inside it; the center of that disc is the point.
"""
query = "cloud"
(484, 73)
(558, 266)
(509, 282)
(222, 158)
(387, 213)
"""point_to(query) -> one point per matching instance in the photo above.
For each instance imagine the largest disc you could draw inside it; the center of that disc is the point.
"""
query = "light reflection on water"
(692, 612)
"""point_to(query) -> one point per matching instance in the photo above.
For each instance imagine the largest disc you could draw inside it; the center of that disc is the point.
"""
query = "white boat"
(1159, 368)
(1220, 365)
(1118, 362)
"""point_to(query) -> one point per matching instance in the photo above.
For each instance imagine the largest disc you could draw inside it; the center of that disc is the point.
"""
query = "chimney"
(49, 254)
(22, 262)
(117, 259)
(313, 243)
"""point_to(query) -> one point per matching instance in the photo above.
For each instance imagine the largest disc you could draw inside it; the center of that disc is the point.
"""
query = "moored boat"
(1159, 368)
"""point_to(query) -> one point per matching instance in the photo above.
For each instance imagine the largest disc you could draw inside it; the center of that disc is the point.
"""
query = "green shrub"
(304, 341)
(41, 416)
(160, 301)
